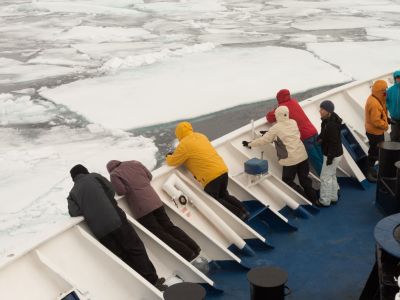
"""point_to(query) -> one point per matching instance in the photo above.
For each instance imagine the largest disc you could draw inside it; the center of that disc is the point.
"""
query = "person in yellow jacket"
(376, 123)
(197, 154)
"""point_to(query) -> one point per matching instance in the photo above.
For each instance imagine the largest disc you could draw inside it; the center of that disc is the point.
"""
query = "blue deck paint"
(329, 257)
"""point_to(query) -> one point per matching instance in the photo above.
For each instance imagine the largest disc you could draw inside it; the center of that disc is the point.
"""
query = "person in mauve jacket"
(92, 197)
(198, 155)
(308, 133)
(132, 179)
(331, 143)
(291, 152)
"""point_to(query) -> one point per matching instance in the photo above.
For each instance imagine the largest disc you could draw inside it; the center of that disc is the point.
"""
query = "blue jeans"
(314, 152)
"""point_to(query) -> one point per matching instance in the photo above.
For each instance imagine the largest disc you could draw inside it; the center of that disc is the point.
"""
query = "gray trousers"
(329, 185)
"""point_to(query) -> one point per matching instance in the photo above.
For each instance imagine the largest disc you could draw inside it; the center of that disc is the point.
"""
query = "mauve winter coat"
(132, 179)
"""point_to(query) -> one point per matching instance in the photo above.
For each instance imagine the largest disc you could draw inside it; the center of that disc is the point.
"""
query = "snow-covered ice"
(22, 110)
(193, 85)
(362, 60)
(12, 71)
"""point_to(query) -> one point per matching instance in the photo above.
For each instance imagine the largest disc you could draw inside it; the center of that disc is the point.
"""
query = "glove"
(262, 132)
(246, 144)
(329, 161)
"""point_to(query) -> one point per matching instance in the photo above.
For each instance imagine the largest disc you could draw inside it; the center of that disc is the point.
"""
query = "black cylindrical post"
(267, 283)
(185, 291)
(389, 154)
(397, 165)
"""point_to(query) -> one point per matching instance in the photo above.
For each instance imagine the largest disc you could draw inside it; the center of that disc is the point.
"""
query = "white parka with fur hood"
(288, 133)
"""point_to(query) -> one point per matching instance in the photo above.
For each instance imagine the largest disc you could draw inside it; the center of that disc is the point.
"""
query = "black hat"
(328, 106)
(78, 169)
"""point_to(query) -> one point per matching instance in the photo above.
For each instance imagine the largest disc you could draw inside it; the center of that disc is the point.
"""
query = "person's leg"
(335, 185)
(395, 131)
(213, 187)
(303, 170)
(230, 198)
(135, 254)
(314, 152)
(288, 176)
(217, 188)
(373, 155)
(325, 178)
(110, 242)
(177, 234)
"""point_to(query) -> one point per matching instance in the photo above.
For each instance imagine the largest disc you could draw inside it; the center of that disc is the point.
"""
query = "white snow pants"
(329, 185)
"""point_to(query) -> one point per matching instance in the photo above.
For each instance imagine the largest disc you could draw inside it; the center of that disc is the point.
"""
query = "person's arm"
(178, 157)
(118, 185)
(376, 118)
(73, 208)
(267, 138)
(271, 116)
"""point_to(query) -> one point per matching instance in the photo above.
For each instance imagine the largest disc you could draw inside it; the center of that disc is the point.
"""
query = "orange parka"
(197, 154)
(376, 119)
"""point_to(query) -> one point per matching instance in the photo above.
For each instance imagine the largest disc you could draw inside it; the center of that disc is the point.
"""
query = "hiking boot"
(371, 175)
(245, 216)
(160, 284)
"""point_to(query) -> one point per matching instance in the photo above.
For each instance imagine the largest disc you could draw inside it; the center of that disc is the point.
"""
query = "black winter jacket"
(331, 141)
(93, 198)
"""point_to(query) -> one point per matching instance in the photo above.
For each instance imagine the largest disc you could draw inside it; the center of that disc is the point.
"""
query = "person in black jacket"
(92, 197)
(331, 144)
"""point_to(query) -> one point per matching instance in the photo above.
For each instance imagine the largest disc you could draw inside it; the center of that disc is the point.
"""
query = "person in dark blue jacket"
(393, 106)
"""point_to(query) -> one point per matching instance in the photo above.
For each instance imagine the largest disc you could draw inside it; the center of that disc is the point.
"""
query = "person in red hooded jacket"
(308, 133)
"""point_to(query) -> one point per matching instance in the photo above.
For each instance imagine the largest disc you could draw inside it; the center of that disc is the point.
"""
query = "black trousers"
(395, 132)
(373, 151)
(218, 189)
(126, 244)
(301, 169)
(161, 226)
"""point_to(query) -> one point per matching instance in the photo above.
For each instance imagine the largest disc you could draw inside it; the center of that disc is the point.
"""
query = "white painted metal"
(175, 186)
(72, 259)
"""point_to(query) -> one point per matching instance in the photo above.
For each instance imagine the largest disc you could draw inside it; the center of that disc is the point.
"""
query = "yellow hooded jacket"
(197, 154)
(376, 120)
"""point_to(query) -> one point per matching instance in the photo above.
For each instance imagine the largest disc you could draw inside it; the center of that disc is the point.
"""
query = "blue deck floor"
(329, 257)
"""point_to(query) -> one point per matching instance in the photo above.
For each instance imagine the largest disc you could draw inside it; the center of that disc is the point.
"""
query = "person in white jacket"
(291, 152)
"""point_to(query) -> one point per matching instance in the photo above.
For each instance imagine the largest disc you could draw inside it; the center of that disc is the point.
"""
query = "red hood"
(283, 96)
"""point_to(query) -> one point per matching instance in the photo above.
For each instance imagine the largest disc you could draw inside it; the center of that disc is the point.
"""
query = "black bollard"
(397, 165)
(185, 291)
(267, 283)
(389, 154)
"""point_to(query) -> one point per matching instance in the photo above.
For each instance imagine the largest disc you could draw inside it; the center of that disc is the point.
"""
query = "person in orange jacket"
(376, 123)
(198, 155)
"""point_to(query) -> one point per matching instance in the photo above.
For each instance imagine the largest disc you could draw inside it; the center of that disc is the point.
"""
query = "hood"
(183, 129)
(396, 74)
(282, 114)
(378, 88)
(283, 96)
(112, 164)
